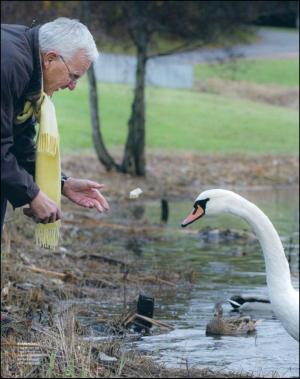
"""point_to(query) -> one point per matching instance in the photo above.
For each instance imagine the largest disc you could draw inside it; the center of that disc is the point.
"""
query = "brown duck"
(229, 326)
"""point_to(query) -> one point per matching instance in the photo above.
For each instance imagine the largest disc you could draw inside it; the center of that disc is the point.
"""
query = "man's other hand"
(85, 193)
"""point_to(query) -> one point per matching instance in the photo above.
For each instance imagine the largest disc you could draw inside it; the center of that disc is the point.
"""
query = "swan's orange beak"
(197, 213)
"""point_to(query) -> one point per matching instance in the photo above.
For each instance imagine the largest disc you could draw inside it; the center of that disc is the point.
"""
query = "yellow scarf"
(47, 163)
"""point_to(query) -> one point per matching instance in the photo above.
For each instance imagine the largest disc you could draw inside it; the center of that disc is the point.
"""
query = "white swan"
(284, 298)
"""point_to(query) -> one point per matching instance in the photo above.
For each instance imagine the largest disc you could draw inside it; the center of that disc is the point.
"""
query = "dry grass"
(44, 305)
(42, 343)
(60, 352)
(265, 93)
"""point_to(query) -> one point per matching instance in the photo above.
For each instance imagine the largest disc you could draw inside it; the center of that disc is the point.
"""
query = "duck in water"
(229, 326)
(249, 302)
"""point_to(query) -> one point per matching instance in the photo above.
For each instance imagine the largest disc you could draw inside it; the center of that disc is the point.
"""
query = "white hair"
(66, 37)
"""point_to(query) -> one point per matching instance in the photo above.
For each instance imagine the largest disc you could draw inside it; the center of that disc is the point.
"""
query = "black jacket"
(21, 76)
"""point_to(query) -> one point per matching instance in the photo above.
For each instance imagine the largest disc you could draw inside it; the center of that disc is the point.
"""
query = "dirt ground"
(44, 294)
(186, 174)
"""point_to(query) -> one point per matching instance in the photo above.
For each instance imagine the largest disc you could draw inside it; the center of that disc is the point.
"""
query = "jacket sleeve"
(17, 184)
(24, 146)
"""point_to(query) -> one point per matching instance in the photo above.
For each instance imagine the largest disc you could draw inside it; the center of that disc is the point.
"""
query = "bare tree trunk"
(100, 148)
(101, 151)
(134, 155)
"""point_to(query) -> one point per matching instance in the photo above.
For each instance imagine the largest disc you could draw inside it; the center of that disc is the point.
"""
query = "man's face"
(59, 73)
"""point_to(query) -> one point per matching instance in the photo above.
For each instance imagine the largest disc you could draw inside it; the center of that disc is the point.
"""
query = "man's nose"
(71, 86)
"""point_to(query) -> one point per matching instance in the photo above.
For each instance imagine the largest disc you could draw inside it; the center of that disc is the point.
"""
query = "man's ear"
(48, 58)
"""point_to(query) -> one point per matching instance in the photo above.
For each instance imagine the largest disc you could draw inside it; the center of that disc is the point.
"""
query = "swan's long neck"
(277, 267)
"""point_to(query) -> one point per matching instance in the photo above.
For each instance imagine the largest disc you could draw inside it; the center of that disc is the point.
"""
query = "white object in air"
(134, 194)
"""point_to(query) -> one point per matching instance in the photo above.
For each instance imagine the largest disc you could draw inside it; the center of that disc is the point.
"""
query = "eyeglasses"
(73, 77)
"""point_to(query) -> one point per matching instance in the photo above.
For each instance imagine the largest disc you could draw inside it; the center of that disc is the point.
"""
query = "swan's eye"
(201, 203)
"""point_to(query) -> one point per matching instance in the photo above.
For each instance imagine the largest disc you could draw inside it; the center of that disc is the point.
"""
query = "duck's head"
(218, 310)
(211, 202)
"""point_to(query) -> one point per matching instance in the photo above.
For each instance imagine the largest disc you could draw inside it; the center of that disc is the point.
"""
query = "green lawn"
(179, 119)
(283, 72)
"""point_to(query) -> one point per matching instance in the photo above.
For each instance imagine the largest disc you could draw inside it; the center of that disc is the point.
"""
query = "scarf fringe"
(47, 143)
(47, 235)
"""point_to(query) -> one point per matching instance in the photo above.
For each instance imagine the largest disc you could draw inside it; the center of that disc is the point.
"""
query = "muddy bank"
(51, 300)
(185, 174)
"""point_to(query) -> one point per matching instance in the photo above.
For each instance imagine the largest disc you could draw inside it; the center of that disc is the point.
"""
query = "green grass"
(179, 119)
(283, 72)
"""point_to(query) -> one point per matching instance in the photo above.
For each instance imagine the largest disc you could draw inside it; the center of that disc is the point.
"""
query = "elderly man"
(35, 60)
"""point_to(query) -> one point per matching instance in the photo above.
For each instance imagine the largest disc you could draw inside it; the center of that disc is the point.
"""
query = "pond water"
(224, 268)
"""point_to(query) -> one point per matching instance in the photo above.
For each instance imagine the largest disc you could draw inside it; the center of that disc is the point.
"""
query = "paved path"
(271, 44)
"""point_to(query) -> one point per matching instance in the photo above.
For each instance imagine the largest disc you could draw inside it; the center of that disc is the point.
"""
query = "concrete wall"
(116, 68)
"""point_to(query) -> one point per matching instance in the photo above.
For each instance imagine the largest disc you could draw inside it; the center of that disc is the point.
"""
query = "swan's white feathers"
(284, 298)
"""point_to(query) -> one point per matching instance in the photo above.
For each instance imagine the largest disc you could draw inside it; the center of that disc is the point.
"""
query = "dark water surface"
(224, 268)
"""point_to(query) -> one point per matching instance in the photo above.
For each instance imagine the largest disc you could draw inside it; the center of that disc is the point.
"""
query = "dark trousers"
(3, 211)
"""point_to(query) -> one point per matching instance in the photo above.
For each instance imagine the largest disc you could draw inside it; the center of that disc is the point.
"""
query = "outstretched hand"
(85, 193)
